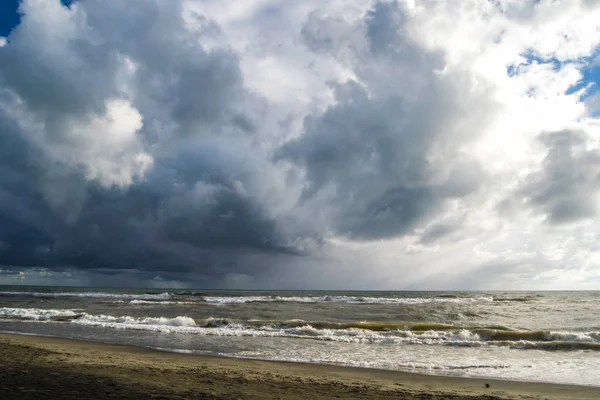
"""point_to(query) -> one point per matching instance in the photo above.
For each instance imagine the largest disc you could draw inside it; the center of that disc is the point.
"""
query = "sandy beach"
(34, 367)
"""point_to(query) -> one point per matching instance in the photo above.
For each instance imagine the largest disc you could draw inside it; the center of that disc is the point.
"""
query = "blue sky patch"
(590, 79)
(589, 67)
(9, 16)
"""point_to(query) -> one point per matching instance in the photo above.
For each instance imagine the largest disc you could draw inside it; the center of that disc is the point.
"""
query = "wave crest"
(401, 333)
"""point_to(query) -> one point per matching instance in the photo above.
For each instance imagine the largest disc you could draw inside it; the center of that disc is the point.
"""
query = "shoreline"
(50, 367)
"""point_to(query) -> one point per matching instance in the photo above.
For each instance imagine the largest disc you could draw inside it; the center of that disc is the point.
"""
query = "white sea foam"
(132, 322)
(158, 296)
(36, 313)
(158, 302)
(180, 351)
(578, 337)
(376, 363)
(344, 299)
(250, 299)
(498, 363)
(224, 327)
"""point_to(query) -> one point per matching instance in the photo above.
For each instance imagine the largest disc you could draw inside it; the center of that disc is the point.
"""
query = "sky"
(399, 145)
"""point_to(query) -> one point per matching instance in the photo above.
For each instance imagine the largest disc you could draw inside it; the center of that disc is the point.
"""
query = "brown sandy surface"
(51, 368)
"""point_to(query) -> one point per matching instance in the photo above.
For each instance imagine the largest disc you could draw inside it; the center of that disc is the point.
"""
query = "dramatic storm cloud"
(384, 144)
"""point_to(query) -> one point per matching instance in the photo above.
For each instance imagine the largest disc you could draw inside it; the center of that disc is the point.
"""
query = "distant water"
(538, 336)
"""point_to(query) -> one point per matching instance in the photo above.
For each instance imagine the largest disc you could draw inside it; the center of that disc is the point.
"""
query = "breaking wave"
(401, 333)
(343, 299)
(38, 314)
(100, 295)
(200, 297)
(158, 302)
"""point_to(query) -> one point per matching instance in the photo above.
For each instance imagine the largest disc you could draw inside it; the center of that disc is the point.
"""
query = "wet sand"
(33, 367)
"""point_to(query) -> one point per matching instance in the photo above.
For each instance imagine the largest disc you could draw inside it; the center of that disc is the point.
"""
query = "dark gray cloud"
(187, 215)
(73, 194)
(134, 144)
(385, 157)
(564, 189)
(133, 152)
(173, 227)
(26, 227)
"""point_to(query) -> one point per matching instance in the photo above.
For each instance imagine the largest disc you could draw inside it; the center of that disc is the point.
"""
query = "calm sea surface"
(538, 336)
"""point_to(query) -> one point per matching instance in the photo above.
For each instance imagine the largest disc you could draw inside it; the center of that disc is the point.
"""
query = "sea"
(525, 336)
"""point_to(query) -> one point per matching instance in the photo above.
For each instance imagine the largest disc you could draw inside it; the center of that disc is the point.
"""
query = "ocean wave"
(159, 302)
(129, 322)
(516, 299)
(223, 327)
(145, 296)
(574, 336)
(359, 332)
(379, 364)
(233, 299)
(39, 314)
(377, 326)
(223, 300)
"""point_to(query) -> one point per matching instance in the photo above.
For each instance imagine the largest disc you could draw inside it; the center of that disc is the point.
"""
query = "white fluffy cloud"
(62, 89)
(434, 144)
